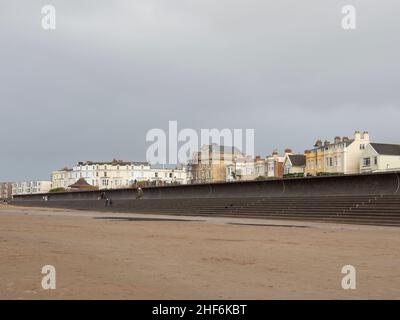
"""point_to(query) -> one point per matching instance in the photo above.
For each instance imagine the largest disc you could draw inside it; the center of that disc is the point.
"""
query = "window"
(375, 160)
(366, 162)
(329, 162)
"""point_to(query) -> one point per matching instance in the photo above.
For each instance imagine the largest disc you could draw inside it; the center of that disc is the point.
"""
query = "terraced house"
(274, 164)
(31, 187)
(378, 157)
(116, 174)
(294, 165)
(212, 163)
(342, 156)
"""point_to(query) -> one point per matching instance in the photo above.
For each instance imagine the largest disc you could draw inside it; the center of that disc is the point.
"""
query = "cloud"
(112, 70)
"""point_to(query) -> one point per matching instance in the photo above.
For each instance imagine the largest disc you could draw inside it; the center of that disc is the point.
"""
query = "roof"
(386, 149)
(140, 163)
(323, 146)
(297, 159)
(114, 163)
(81, 184)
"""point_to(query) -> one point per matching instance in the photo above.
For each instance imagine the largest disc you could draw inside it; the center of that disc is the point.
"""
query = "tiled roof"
(387, 149)
(297, 159)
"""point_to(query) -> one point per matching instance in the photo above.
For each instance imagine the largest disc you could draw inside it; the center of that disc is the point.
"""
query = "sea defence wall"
(387, 183)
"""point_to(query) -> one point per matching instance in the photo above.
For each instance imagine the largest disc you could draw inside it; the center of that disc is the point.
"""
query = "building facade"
(210, 163)
(294, 165)
(5, 190)
(342, 156)
(62, 178)
(117, 174)
(274, 164)
(31, 187)
(378, 157)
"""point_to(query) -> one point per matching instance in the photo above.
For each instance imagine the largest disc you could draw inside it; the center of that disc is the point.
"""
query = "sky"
(113, 70)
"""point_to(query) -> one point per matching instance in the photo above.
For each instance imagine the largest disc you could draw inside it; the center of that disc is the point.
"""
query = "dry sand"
(207, 259)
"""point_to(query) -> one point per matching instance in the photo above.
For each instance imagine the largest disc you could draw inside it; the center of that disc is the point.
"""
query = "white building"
(116, 174)
(30, 187)
(172, 175)
(5, 190)
(294, 164)
(246, 168)
(343, 156)
(62, 178)
(378, 157)
(274, 164)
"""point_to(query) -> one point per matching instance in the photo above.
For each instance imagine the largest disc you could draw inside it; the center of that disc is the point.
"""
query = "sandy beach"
(129, 256)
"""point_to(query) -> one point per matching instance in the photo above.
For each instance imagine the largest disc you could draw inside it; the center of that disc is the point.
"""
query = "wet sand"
(122, 256)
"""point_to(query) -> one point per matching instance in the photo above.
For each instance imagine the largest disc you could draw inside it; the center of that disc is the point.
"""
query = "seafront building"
(342, 156)
(245, 168)
(210, 163)
(294, 165)
(274, 164)
(378, 157)
(218, 163)
(117, 174)
(5, 190)
(31, 187)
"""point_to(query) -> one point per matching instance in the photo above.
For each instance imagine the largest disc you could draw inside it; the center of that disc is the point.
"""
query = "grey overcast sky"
(112, 70)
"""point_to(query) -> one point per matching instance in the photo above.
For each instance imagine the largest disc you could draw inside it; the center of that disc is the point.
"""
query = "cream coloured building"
(342, 156)
(274, 164)
(294, 164)
(31, 187)
(378, 157)
(246, 168)
(116, 174)
(62, 178)
(210, 163)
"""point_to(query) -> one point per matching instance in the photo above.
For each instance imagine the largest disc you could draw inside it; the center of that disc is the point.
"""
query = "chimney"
(337, 140)
(326, 142)
(345, 139)
(275, 152)
(287, 150)
(357, 135)
(365, 135)
(318, 143)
